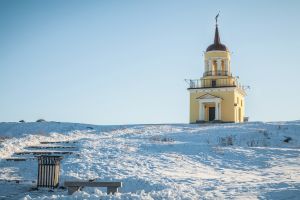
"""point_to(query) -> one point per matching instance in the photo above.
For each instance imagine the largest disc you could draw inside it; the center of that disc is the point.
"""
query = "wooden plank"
(16, 181)
(57, 142)
(43, 152)
(51, 147)
(19, 159)
(92, 184)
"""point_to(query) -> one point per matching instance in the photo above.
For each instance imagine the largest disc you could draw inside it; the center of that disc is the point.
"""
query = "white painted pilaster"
(226, 66)
(216, 111)
(206, 65)
(219, 65)
(220, 111)
(202, 111)
(210, 65)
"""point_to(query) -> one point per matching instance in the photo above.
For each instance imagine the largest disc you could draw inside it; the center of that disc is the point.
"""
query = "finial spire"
(217, 45)
(217, 37)
(217, 18)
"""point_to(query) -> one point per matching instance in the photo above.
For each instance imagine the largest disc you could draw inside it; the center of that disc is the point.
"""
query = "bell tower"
(216, 96)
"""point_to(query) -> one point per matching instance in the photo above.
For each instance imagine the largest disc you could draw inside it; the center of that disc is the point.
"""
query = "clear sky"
(120, 62)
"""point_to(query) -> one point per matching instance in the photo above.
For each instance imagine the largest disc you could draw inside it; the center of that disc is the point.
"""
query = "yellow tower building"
(216, 96)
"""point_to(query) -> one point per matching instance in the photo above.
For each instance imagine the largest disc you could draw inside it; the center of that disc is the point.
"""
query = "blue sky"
(120, 62)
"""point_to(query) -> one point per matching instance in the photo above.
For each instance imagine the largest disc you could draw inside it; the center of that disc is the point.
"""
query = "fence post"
(48, 171)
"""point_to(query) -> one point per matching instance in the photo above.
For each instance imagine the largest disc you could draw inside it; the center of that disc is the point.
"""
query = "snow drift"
(172, 161)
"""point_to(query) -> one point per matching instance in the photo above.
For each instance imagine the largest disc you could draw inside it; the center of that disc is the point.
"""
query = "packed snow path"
(216, 161)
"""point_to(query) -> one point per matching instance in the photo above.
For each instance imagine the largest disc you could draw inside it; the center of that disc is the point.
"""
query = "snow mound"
(173, 161)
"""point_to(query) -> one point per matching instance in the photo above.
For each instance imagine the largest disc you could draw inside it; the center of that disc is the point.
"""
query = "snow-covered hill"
(178, 161)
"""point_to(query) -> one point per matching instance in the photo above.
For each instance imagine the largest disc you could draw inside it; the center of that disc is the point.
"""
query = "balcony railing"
(217, 73)
(214, 83)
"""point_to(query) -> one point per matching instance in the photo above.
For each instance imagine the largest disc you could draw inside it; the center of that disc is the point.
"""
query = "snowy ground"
(217, 161)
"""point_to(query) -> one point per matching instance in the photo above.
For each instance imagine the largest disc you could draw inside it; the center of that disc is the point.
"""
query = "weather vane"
(217, 17)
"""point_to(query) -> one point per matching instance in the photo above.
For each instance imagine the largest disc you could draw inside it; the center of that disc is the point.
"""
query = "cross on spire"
(216, 18)
(217, 36)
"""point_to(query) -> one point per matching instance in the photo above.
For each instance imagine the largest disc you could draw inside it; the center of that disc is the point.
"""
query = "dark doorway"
(211, 114)
(213, 83)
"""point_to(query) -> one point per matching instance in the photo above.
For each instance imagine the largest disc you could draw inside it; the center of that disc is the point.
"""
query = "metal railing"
(214, 83)
(217, 73)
